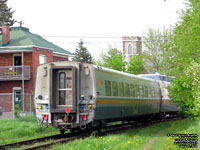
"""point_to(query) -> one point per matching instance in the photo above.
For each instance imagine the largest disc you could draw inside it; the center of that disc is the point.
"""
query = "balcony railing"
(14, 73)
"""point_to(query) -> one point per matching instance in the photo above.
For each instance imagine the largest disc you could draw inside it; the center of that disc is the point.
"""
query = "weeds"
(22, 128)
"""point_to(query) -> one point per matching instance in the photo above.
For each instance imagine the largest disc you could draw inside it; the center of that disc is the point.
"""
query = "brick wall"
(7, 86)
(56, 58)
(36, 53)
(6, 59)
(6, 102)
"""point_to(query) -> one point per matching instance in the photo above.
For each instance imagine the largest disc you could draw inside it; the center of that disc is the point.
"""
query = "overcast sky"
(75, 19)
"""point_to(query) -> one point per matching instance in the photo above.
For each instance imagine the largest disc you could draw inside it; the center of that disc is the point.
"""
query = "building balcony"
(9, 73)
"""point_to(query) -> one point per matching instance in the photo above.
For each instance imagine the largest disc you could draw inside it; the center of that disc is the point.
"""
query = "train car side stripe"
(108, 101)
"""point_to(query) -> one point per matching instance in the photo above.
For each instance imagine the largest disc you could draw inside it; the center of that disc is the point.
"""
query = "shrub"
(185, 91)
(17, 111)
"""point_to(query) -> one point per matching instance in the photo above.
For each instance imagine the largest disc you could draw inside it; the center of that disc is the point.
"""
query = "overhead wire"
(95, 37)
(90, 37)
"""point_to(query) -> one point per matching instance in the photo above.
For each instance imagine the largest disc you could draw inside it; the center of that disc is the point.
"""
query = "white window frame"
(14, 57)
(42, 59)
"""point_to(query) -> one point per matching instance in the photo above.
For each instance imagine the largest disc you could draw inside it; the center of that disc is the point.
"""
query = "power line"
(98, 37)
(100, 42)
(60, 36)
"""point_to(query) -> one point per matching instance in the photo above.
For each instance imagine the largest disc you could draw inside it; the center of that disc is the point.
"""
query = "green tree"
(135, 65)
(157, 44)
(6, 14)
(186, 39)
(185, 58)
(185, 91)
(112, 59)
(82, 54)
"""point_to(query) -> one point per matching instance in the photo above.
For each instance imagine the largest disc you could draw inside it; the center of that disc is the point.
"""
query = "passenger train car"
(157, 76)
(74, 95)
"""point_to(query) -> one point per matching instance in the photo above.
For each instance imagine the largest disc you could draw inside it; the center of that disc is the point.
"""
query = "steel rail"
(49, 144)
(32, 141)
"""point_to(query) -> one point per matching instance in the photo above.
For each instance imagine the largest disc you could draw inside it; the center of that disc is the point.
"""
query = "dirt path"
(151, 142)
(146, 147)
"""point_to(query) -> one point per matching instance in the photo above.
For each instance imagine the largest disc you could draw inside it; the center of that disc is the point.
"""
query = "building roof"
(22, 39)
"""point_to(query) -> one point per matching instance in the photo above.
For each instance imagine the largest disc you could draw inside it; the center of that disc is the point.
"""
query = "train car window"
(141, 90)
(132, 90)
(121, 89)
(137, 92)
(127, 90)
(115, 88)
(108, 87)
(62, 85)
(162, 91)
(149, 92)
(145, 92)
(156, 93)
(153, 92)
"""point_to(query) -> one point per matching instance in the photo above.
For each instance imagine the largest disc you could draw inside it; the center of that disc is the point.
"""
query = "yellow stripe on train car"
(108, 101)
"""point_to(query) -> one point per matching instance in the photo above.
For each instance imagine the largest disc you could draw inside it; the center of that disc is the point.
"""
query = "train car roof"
(107, 70)
(121, 73)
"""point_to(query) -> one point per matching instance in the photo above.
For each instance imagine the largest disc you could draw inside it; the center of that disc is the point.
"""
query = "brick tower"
(132, 45)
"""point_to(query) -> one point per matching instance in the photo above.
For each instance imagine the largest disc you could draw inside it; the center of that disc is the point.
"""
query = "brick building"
(20, 53)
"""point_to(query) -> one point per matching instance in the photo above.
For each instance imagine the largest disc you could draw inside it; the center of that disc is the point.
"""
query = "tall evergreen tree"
(6, 14)
(82, 54)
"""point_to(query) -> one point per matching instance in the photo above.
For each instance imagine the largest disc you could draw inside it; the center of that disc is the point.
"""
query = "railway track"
(120, 127)
(57, 139)
(36, 140)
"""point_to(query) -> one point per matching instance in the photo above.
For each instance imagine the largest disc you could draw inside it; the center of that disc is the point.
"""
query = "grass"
(151, 138)
(142, 138)
(23, 128)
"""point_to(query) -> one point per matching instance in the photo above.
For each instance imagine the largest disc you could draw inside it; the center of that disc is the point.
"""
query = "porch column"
(23, 81)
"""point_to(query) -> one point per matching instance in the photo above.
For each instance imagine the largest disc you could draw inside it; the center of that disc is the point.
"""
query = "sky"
(98, 22)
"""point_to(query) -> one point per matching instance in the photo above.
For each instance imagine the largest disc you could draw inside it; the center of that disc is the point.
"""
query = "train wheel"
(159, 117)
(75, 130)
(72, 130)
(89, 129)
(62, 131)
(99, 127)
